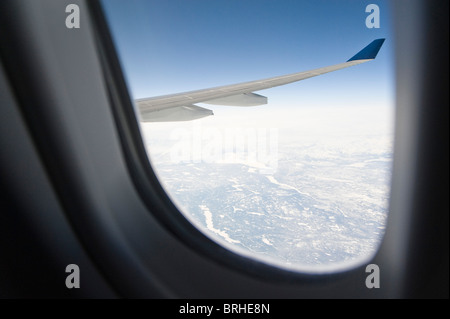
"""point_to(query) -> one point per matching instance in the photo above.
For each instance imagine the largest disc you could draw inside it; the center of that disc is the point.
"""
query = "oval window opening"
(296, 175)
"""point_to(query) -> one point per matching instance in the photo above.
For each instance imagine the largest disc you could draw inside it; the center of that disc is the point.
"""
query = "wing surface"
(180, 106)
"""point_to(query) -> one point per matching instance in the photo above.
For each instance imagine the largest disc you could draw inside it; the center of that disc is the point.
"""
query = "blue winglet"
(369, 52)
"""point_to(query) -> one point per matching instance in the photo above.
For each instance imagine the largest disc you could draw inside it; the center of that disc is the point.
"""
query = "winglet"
(369, 52)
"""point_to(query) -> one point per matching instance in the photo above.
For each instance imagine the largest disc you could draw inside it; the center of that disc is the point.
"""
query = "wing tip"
(369, 52)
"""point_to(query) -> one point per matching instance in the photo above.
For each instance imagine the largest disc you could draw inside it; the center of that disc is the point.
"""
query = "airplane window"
(274, 161)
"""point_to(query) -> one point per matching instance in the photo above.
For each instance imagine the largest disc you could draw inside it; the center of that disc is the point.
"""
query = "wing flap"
(246, 99)
(176, 113)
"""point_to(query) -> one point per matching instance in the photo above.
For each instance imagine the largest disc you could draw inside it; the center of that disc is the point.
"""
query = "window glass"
(301, 182)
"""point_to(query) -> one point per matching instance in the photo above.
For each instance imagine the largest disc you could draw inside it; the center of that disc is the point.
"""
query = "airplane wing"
(181, 106)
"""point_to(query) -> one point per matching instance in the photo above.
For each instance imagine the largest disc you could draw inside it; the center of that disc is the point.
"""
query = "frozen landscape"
(321, 199)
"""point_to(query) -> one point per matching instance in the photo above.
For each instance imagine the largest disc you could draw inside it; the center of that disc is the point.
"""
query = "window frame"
(81, 147)
(148, 184)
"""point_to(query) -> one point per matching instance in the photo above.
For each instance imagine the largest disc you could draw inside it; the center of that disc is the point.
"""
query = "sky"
(181, 45)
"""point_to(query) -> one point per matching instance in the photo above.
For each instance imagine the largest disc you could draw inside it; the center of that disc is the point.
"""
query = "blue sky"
(181, 45)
